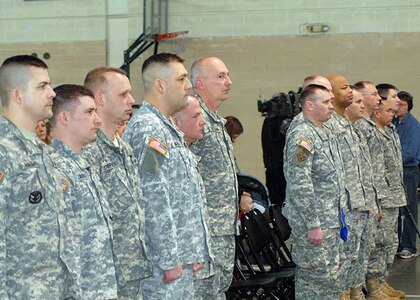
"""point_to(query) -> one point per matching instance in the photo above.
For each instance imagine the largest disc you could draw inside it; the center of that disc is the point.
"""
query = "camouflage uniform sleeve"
(299, 157)
(2, 227)
(159, 220)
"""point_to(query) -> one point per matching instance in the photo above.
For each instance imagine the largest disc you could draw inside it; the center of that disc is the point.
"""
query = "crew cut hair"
(160, 59)
(67, 98)
(309, 92)
(12, 74)
(363, 83)
(383, 89)
(97, 77)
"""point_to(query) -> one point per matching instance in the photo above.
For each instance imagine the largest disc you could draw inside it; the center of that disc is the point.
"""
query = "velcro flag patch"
(306, 145)
(157, 145)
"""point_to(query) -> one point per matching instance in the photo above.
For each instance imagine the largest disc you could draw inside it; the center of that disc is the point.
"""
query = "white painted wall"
(81, 20)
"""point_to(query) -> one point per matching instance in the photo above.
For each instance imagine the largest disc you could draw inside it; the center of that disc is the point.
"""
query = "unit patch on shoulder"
(303, 151)
(301, 156)
(1, 175)
(157, 145)
(64, 184)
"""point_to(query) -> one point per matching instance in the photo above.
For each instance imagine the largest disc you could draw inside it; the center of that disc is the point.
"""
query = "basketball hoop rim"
(169, 35)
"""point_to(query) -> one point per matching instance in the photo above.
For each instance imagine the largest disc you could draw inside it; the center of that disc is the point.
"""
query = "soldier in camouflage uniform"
(191, 122)
(315, 79)
(38, 245)
(355, 112)
(210, 78)
(176, 234)
(358, 208)
(74, 125)
(387, 232)
(314, 193)
(119, 174)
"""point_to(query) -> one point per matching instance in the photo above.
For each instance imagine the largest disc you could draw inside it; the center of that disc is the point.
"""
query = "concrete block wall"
(270, 64)
(262, 43)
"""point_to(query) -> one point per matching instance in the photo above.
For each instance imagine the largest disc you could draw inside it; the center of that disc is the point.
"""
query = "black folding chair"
(281, 230)
(260, 257)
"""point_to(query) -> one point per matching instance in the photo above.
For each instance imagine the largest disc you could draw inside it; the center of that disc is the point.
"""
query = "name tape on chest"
(157, 145)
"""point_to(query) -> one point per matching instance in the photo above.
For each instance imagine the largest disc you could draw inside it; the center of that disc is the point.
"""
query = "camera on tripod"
(280, 105)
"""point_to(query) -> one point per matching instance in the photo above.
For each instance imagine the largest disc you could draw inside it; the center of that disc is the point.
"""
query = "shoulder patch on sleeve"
(64, 184)
(1, 175)
(157, 145)
(303, 150)
(306, 145)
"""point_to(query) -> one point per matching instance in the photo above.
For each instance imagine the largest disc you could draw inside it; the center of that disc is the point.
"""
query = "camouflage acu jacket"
(38, 242)
(217, 167)
(313, 169)
(118, 170)
(87, 196)
(176, 227)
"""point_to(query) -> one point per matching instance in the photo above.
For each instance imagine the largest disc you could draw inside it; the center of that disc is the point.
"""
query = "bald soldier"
(211, 82)
(191, 122)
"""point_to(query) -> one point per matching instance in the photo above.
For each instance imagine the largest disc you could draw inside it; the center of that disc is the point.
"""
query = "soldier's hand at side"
(172, 274)
(197, 267)
(371, 213)
(315, 236)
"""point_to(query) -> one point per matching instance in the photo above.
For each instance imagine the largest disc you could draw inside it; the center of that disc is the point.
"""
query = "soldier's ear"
(159, 86)
(199, 84)
(99, 97)
(309, 105)
(63, 117)
(16, 96)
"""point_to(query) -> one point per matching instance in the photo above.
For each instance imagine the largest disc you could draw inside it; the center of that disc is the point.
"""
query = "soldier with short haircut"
(367, 127)
(119, 174)
(354, 112)
(74, 125)
(211, 81)
(314, 193)
(176, 228)
(358, 208)
(386, 240)
(38, 251)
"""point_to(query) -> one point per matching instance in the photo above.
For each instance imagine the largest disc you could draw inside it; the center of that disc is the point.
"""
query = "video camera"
(280, 105)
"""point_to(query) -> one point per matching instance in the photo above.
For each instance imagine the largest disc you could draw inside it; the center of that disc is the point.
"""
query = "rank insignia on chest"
(157, 145)
(64, 184)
